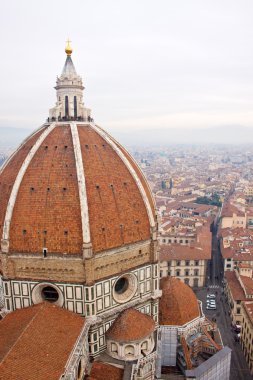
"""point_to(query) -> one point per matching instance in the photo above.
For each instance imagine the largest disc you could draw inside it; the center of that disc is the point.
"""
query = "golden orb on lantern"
(68, 48)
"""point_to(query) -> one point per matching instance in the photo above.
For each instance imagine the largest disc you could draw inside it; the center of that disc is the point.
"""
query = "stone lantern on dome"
(69, 87)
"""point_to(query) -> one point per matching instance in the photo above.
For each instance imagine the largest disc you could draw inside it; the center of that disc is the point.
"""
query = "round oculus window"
(121, 285)
(49, 294)
(125, 288)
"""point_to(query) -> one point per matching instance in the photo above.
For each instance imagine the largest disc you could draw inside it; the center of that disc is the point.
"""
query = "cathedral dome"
(71, 185)
(70, 188)
(178, 304)
(131, 325)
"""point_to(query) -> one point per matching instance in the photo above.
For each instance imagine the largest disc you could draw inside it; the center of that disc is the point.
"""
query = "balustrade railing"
(72, 118)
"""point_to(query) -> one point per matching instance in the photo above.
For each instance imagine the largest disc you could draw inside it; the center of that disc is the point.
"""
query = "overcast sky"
(145, 64)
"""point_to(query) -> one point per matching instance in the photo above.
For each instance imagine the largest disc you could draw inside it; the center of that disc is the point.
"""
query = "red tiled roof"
(237, 253)
(115, 202)
(248, 284)
(178, 304)
(228, 210)
(234, 286)
(131, 325)
(184, 252)
(248, 305)
(9, 173)
(104, 371)
(36, 342)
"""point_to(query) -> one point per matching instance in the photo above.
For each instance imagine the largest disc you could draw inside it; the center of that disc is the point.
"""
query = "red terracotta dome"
(178, 304)
(71, 184)
(131, 325)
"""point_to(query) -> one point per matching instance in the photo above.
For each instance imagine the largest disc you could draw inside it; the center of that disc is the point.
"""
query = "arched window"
(114, 348)
(79, 370)
(75, 107)
(144, 347)
(129, 350)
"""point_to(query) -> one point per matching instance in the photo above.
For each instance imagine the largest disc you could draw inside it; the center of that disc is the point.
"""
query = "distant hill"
(162, 136)
(12, 137)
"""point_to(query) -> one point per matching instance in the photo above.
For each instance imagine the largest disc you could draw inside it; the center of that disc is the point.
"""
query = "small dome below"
(131, 325)
(178, 304)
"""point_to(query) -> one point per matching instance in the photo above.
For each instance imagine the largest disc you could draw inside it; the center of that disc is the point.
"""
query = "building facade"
(247, 333)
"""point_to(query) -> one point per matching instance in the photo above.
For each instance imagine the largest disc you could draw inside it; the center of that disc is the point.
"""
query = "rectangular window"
(196, 262)
(178, 263)
(187, 262)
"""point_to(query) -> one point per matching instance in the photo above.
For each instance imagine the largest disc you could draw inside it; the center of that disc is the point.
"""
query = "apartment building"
(236, 247)
(247, 333)
(187, 262)
(238, 288)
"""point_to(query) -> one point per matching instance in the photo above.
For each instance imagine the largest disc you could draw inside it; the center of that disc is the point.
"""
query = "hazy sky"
(145, 64)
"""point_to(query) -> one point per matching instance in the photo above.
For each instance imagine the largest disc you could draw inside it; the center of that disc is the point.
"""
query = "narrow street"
(239, 367)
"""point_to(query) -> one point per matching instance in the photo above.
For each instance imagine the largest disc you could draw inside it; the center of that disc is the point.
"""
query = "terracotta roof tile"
(131, 325)
(248, 284)
(104, 371)
(178, 304)
(234, 286)
(36, 342)
(184, 252)
(228, 210)
(47, 203)
(49, 208)
(9, 173)
(248, 305)
(114, 200)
